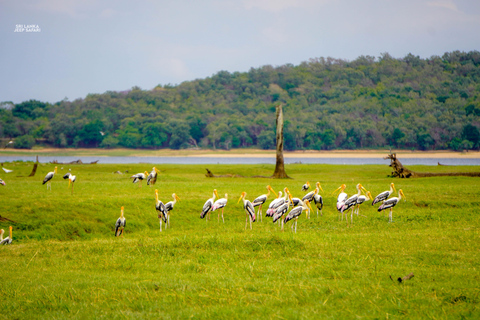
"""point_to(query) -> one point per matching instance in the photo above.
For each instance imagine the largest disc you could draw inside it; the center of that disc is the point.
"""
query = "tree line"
(409, 103)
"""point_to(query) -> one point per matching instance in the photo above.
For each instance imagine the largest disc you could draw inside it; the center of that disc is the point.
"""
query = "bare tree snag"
(34, 170)
(402, 172)
(279, 172)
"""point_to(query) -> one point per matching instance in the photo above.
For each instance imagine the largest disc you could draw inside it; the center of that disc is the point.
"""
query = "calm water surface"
(243, 160)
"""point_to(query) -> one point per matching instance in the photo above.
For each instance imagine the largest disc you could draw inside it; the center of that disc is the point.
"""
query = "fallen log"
(79, 161)
(402, 172)
(209, 174)
(6, 219)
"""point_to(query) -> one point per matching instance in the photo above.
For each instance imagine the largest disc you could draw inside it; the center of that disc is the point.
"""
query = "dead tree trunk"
(34, 170)
(400, 171)
(280, 166)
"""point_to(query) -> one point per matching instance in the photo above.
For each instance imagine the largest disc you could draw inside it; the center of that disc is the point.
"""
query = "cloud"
(447, 4)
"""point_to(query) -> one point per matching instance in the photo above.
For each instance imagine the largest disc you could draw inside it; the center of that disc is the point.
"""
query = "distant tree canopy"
(328, 103)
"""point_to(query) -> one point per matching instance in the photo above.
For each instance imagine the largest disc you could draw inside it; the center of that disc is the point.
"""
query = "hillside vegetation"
(370, 102)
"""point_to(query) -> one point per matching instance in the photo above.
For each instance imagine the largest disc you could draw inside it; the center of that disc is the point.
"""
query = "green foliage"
(29, 109)
(328, 103)
(24, 142)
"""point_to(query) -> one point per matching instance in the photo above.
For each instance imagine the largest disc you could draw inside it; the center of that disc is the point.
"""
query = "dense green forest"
(328, 103)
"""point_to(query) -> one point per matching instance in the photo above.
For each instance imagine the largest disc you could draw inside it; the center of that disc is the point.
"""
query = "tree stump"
(402, 172)
(279, 172)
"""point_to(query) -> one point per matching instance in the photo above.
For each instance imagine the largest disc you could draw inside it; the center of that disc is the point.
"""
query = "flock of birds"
(278, 209)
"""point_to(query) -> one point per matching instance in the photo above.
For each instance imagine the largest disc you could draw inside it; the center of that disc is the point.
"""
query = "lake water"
(244, 160)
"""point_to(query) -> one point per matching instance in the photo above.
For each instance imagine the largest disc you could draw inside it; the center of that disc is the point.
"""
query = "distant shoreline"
(245, 153)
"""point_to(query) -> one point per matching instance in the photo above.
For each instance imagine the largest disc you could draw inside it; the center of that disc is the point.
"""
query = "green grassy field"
(66, 263)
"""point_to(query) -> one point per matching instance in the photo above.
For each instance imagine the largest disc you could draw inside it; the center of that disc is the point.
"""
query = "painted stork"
(120, 224)
(361, 199)
(318, 200)
(281, 210)
(220, 204)
(384, 195)
(342, 197)
(2, 182)
(306, 186)
(161, 210)
(207, 207)
(296, 212)
(49, 177)
(277, 202)
(249, 210)
(312, 194)
(169, 206)
(139, 177)
(7, 240)
(71, 179)
(152, 177)
(260, 200)
(392, 202)
(351, 202)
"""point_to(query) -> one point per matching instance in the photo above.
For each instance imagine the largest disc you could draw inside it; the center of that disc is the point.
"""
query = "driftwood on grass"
(79, 161)
(407, 277)
(6, 219)
(209, 174)
(402, 172)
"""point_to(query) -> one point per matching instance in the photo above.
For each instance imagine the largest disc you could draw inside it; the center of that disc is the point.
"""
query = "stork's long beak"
(157, 171)
(11, 238)
(403, 195)
(243, 195)
(337, 189)
(369, 195)
(216, 193)
(319, 186)
(177, 197)
(393, 186)
(271, 189)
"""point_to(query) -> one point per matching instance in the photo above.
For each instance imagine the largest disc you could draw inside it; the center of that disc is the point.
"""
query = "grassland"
(66, 263)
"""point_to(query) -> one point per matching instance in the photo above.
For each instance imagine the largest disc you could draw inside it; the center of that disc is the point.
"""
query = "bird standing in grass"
(48, 178)
(392, 202)
(169, 207)
(361, 199)
(249, 210)
(306, 186)
(71, 179)
(7, 240)
(277, 202)
(220, 204)
(281, 210)
(161, 210)
(311, 195)
(207, 207)
(296, 212)
(120, 224)
(260, 200)
(152, 177)
(342, 197)
(351, 202)
(139, 177)
(384, 195)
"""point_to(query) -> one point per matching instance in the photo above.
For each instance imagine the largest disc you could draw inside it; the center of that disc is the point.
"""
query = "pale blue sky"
(93, 46)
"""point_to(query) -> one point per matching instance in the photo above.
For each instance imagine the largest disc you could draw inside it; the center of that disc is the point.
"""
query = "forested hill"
(328, 103)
